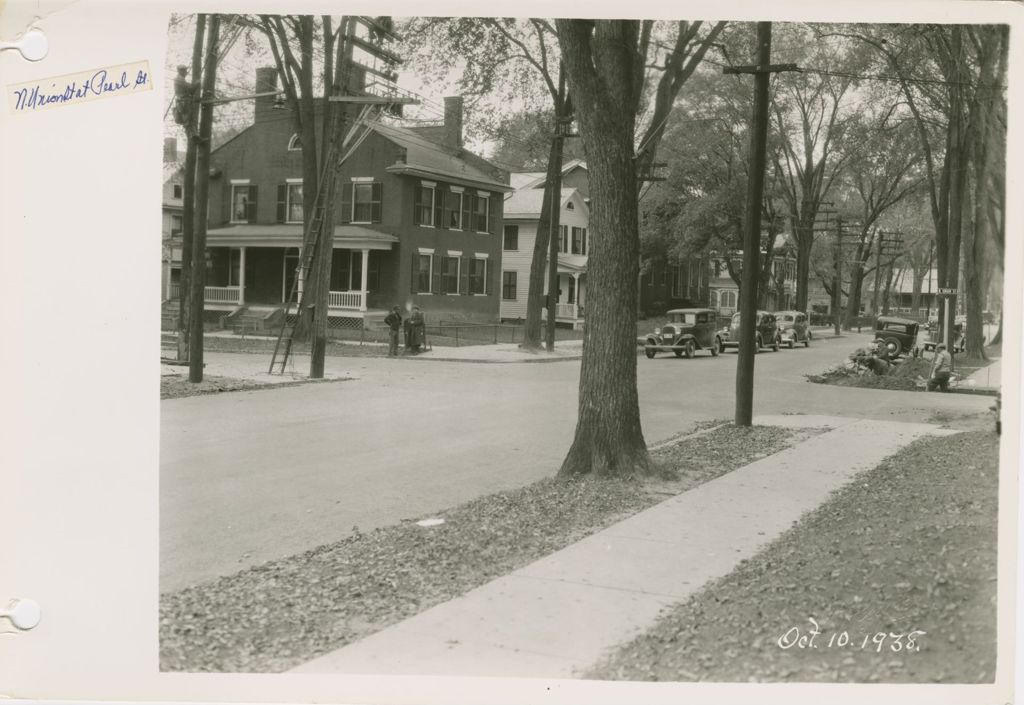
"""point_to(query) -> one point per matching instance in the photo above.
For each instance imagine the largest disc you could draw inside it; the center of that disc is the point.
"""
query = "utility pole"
(752, 232)
(837, 279)
(554, 221)
(198, 283)
(325, 243)
(186, 115)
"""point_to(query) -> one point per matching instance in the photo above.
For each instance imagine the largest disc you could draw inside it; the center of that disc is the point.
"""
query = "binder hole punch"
(22, 613)
(32, 45)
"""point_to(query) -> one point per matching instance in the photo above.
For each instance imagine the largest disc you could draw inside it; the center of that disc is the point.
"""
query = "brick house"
(418, 221)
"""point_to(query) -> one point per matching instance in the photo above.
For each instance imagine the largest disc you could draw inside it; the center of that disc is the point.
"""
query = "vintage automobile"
(793, 328)
(687, 330)
(898, 335)
(767, 332)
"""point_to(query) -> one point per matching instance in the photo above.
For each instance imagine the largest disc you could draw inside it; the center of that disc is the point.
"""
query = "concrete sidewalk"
(988, 377)
(561, 614)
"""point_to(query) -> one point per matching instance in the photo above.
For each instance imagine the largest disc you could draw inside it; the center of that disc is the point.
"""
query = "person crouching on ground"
(394, 323)
(942, 367)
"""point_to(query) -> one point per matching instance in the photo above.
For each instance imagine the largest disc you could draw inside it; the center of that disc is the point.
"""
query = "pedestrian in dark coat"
(394, 323)
(416, 332)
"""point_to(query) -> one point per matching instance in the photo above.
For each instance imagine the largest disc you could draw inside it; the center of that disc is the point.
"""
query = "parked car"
(766, 334)
(793, 328)
(687, 330)
(898, 335)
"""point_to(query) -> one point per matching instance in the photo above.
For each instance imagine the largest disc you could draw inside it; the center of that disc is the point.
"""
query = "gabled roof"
(539, 177)
(526, 203)
(520, 179)
(430, 159)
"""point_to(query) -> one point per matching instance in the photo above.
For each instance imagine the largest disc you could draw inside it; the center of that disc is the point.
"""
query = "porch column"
(241, 276)
(576, 299)
(362, 284)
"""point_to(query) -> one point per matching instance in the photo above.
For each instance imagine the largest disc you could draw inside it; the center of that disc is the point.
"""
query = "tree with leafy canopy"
(516, 59)
(607, 65)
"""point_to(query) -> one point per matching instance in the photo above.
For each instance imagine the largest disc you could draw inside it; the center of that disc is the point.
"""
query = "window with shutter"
(240, 203)
(464, 282)
(453, 210)
(366, 202)
(481, 209)
(376, 202)
(478, 276)
(449, 283)
(294, 203)
(424, 210)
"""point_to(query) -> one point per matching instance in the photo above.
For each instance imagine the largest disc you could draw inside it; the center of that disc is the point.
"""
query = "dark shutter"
(489, 283)
(492, 215)
(282, 202)
(436, 279)
(467, 211)
(415, 280)
(376, 194)
(346, 203)
(250, 207)
(463, 275)
(439, 208)
(417, 201)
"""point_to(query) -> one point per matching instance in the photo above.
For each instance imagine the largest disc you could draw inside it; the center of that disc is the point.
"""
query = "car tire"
(757, 345)
(807, 340)
(650, 352)
(775, 345)
(716, 347)
(792, 344)
(689, 350)
(678, 352)
(895, 348)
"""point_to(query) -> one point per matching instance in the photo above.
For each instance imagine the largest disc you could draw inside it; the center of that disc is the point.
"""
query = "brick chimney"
(171, 150)
(453, 121)
(266, 80)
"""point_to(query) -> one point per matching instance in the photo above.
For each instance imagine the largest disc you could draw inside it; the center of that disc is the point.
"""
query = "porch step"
(255, 320)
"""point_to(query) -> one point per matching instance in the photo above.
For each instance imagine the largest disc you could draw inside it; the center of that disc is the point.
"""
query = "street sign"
(943, 291)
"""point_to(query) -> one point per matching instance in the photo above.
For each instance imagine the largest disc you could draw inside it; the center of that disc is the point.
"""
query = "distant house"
(723, 291)
(171, 222)
(522, 215)
(418, 221)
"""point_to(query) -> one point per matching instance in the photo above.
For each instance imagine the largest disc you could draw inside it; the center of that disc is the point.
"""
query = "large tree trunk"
(803, 270)
(602, 69)
(535, 295)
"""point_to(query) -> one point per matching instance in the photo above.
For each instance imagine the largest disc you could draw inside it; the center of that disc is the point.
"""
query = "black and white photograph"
(508, 355)
(761, 263)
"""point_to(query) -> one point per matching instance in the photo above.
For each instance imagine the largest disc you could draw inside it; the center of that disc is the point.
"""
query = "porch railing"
(346, 299)
(566, 311)
(222, 294)
(213, 294)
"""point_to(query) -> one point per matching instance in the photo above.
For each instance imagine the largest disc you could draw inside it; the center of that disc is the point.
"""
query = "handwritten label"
(878, 641)
(109, 82)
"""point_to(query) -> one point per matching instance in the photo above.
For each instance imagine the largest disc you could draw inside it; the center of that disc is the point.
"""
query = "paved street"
(251, 476)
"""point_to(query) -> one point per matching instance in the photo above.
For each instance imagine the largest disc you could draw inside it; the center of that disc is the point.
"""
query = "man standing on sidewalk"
(394, 322)
(942, 366)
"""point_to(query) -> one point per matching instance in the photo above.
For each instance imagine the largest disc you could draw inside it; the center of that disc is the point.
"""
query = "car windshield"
(687, 317)
(787, 319)
(735, 319)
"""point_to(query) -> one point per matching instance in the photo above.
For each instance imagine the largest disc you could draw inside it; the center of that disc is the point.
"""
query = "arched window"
(295, 143)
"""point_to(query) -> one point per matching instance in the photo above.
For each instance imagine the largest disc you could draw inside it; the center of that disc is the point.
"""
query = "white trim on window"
(485, 194)
(294, 143)
(293, 181)
(428, 184)
(426, 250)
(456, 189)
(481, 255)
(241, 182)
(368, 179)
(454, 253)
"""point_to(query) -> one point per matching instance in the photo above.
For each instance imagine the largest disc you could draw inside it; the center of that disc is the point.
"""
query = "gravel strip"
(277, 615)
(910, 545)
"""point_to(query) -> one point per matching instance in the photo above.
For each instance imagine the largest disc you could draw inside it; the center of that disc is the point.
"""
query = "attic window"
(295, 143)
(570, 206)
